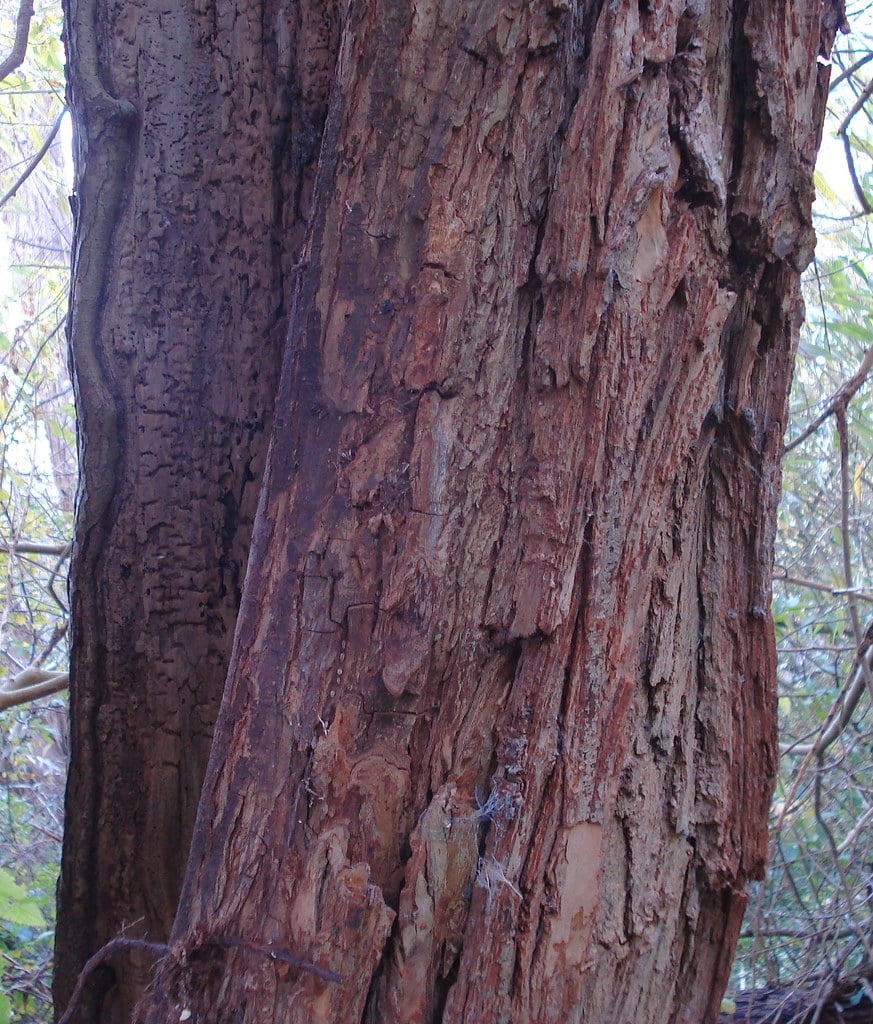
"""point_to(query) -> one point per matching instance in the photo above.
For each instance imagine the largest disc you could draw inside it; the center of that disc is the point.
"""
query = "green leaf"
(16, 907)
(825, 190)
(851, 330)
(5, 1008)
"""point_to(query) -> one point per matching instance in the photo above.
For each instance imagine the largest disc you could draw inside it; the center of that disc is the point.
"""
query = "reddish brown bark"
(497, 742)
(498, 739)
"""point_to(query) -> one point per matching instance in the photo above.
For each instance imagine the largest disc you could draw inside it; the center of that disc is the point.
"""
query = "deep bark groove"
(497, 741)
(190, 217)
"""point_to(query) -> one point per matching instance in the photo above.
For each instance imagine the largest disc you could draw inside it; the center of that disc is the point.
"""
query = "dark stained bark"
(497, 742)
(197, 127)
(829, 1000)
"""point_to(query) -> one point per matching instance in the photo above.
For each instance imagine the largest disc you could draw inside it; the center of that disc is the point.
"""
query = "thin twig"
(56, 836)
(159, 950)
(843, 133)
(825, 588)
(849, 72)
(845, 489)
(792, 883)
(848, 576)
(35, 162)
(840, 713)
(58, 633)
(798, 933)
(28, 372)
(117, 945)
(50, 586)
(856, 830)
(841, 397)
(276, 953)
(848, 901)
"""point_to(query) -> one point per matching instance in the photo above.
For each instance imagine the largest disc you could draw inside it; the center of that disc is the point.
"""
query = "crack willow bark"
(497, 740)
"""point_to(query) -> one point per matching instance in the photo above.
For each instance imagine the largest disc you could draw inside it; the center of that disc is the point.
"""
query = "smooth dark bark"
(196, 131)
(497, 742)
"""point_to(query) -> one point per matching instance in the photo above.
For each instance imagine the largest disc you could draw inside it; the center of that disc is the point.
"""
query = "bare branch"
(121, 944)
(825, 588)
(845, 489)
(841, 711)
(13, 698)
(277, 953)
(50, 589)
(847, 901)
(22, 34)
(35, 162)
(841, 397)
(30, 684)
(837, 719)
(853, 174)
(32, 547)
(58, 633)
(843, 133)
(856, 830)
(28, 372)
(850, 72)
(796, 933)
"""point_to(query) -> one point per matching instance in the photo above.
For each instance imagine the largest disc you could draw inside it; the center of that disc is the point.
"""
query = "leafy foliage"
(37, 483)
(30, 827)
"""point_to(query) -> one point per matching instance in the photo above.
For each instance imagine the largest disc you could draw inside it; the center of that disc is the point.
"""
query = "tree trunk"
(193, 169)
(497, 742)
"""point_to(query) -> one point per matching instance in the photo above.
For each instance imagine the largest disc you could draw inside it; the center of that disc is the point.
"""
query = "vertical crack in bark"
(166, 622)
(484, 235)
(97, 205)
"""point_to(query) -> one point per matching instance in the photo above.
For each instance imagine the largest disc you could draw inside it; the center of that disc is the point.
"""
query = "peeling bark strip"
(498, 737)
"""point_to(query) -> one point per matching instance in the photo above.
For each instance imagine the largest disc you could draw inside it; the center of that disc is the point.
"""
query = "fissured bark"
(497, 741)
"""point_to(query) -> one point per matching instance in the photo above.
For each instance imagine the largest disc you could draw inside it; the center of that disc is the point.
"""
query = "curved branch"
(842, 709)
(52, 682)
(121, 944)
(159, 950)
(843, 133)
(22, 34)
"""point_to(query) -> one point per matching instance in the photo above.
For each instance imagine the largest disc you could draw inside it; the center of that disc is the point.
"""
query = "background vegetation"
(37, 485)
(809, 926)
(810, 923)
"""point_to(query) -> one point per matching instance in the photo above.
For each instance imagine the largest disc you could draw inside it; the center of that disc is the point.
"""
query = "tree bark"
(196, 131)
(497, 742)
